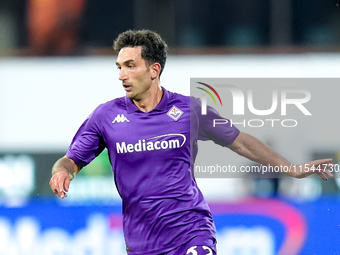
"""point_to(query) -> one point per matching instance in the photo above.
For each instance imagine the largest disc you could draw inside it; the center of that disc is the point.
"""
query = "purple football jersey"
(152, 157)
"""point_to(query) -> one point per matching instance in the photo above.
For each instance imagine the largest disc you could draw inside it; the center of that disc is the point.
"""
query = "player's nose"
(122, 75)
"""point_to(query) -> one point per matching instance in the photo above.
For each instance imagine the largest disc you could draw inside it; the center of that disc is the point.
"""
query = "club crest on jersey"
(175, 113)
(120, 118)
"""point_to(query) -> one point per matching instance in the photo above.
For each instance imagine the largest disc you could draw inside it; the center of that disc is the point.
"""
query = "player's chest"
(160, 129)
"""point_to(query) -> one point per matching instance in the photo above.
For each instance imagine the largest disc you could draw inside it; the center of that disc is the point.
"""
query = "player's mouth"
(127, 87)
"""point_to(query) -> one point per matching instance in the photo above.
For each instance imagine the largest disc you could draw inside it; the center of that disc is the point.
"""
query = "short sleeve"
(88, 142)
(222, 134)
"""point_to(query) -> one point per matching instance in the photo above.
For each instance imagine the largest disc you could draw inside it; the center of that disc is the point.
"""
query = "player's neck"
(151, 100)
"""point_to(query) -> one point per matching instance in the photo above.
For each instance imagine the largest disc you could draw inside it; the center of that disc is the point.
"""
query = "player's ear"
(155, 70)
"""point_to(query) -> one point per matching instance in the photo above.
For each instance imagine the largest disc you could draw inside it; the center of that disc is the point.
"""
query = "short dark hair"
(154, 48)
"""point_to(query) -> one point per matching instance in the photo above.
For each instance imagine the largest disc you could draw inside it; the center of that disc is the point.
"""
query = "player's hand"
(318, 167)
(60, 183)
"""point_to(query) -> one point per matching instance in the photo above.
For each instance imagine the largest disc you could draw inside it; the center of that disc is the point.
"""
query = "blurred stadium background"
(57, 65)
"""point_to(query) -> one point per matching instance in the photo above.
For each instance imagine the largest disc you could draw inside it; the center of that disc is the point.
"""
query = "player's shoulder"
(117, 104)
(176, 97)
(114, 103)
(190, 101)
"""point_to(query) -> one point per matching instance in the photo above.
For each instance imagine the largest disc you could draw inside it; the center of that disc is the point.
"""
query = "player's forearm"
(67, 164)
(253, 149)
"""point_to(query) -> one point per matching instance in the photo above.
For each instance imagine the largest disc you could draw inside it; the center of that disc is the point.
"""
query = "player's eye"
(131, 66)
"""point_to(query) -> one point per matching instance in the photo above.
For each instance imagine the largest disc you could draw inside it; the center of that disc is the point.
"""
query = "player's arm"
(253, 149)
(63, 171)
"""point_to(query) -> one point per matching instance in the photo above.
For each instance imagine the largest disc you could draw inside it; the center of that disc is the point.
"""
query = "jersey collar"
(131, 107)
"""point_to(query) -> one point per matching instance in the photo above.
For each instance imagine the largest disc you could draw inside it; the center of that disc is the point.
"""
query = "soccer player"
(151, 135)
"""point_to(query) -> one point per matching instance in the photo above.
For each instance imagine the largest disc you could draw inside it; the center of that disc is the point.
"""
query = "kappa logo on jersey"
(120, 118)
(175, 113)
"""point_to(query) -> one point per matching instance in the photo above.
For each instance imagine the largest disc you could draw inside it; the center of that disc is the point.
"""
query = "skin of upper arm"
(250, 147)
(238, 143)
